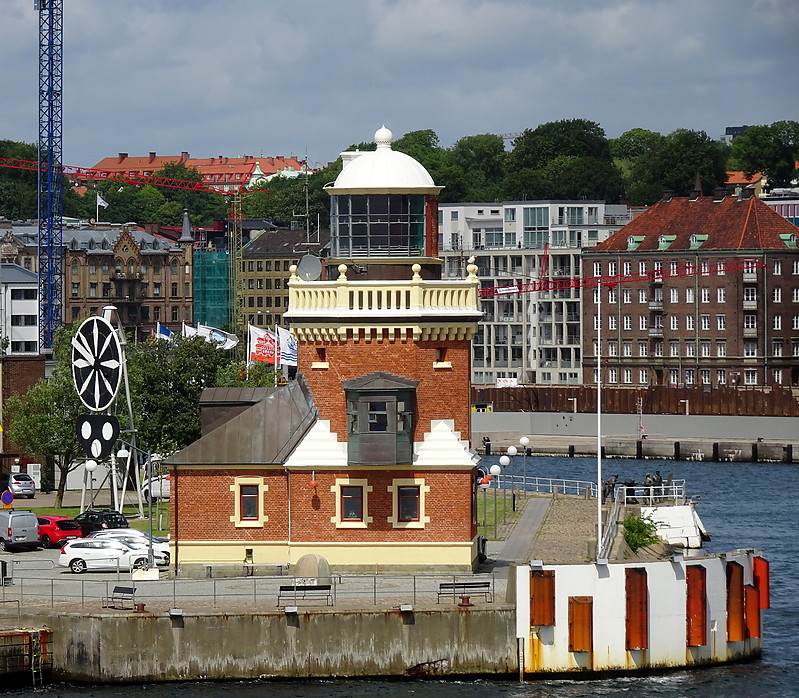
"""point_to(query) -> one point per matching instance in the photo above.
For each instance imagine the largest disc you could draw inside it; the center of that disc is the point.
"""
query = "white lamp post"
(90, 466)
(495, 470)
(524, 441)
(123, 454)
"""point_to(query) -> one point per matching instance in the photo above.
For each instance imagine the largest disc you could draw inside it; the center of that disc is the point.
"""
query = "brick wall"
(19, 374)
(441, 393)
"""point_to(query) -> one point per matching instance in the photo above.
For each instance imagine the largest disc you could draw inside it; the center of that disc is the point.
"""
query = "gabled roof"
(379, 380)
(729, 224)
(264, 434)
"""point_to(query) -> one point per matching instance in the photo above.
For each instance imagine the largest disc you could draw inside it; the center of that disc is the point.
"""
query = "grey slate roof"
(265, 433)
(15, 274)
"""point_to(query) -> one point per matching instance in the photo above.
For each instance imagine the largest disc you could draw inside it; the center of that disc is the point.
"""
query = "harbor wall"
(686, 437)
(109, 648)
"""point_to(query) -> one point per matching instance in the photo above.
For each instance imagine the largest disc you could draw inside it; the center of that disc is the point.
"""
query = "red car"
(54, 530)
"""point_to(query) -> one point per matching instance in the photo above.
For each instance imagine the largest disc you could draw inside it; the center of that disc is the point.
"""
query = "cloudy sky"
(290, 77)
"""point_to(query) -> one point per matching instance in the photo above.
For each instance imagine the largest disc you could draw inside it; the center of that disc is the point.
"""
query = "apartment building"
(707, 293)
(19, 310)
(526, 338)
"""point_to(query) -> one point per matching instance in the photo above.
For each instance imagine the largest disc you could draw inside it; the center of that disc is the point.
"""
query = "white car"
(101, 554)
(158, 488)
(137, 539)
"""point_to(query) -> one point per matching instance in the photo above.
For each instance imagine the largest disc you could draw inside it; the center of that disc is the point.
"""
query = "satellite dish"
(309, 268)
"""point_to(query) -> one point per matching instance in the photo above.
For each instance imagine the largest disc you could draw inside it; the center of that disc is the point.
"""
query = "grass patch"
(506, 516)
(160, 516)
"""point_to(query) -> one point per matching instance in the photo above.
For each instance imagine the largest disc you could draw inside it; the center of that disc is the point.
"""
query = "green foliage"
(43, 421)
(166, 380)
(772, 150)
(639, 532)
(238, 375)
(576, 137)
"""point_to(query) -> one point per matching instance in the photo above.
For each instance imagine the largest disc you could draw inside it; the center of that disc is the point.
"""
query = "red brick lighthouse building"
(365, 458)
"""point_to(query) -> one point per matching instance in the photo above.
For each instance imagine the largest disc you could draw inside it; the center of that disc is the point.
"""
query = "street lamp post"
(90, 466)
(524, 441)
(495, 470)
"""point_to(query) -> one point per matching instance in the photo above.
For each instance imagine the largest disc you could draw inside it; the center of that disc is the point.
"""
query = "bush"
(639, 532)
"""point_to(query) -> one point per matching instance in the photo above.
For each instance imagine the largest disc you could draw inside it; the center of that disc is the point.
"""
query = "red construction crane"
(545, 284)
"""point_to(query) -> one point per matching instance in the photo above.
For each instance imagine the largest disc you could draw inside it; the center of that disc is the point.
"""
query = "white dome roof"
(383, 171)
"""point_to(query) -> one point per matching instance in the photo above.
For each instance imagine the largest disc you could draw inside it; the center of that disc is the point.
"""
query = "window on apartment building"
(674, 348)
(627, 322)
(690, 348)
(23, 320)
(174, 288)
(643, 348)
(642, 295)
(612, 295)
(721, 348)
(777, 322)
(187, 290)
(704, 322)
(674, 322)
(750, 294)
(776, 295)
(776, 375)
(750, 321)
(777, 269)
(92, 290)
(704, 348)
(643, 322)
(776, 348)
(689, 268)
(795, 267)
(795, 295)
(613, 375)
(156, 289)
(613, 349)
(689, 376)
(627, 295)
(689, 322)
(23, 294)
(795, 322)
(674, 268)
(674, 295)
(627, 375)
(628, 268)
(76, 290)
(721, 322)
(643, 376)
(642, 267)
(611, 322)
(689, 295)
(750, 349)
(721, 376)
(750, 376)
(613, 268)
(721, 294)
(674, 377)
(704, 295)
(175, 313)
(597, 268)
(704, 267)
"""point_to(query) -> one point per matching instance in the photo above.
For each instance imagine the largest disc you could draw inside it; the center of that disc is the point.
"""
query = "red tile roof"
(738, 177)
(729, 224)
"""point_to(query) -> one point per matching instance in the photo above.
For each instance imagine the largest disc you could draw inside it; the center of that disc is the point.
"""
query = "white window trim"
(235, 488)
(393, 488)
(336, 490)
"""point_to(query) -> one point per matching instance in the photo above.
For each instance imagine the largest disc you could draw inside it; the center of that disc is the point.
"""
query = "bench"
(121, 596)
(465, 589)
(298, 592)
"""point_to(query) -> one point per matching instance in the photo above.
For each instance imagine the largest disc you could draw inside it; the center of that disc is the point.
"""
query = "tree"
(685, 153)
(237, 374)
(577, 137)
(772, 150)
(166, 381)
(476, 164)
(44, 420)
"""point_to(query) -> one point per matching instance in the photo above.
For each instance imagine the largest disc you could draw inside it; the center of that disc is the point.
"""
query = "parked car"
(101, 554)
(137, 539)
(158, 488)
(57, 529)
(18, 529)
(19, 484)
(98, 520)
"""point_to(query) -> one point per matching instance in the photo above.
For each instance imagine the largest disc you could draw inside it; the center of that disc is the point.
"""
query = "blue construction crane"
(51, 181)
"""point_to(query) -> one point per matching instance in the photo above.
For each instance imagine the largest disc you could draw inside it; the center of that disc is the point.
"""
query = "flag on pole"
(262, 346)
(223, 340)
(288, 347)
(164, 333)
(188, 331)
(101, 202)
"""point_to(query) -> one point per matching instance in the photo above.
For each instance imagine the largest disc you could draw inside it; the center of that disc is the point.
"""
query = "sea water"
(743, 505)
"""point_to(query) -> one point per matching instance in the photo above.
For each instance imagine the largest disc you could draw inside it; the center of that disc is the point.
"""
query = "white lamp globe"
(90, 466)
(512, 450)
(495, 469)
(504, 461)
(524, 441)
(123, 453)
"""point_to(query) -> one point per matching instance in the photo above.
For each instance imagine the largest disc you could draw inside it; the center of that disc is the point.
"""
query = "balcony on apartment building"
(655, 304)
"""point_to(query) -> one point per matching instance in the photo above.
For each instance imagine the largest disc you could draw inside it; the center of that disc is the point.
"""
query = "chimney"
(152, 155)
(667, 194)
(719, 193)
(747, 193)
(184, 156)
(121, 157)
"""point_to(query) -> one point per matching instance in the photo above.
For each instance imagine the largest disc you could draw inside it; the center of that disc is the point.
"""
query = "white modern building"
(534, 337)
(19, 310)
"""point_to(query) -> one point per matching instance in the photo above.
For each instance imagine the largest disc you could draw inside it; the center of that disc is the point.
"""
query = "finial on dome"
(383, 137)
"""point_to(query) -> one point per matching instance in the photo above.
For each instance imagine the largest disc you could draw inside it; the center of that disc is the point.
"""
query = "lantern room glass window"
(379, 225)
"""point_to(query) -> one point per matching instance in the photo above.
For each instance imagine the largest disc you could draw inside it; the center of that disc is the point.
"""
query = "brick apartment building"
(707, 294)
(364, 459)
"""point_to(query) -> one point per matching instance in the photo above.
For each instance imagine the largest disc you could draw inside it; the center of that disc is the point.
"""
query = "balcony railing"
(750, 305)
(656, 304)
(655, 331)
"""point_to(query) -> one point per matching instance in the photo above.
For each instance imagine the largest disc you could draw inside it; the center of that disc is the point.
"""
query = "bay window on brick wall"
(408, 503)
(248, 498)
(352, 503)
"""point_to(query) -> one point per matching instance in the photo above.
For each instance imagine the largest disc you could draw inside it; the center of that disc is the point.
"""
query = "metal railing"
(353, 591)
